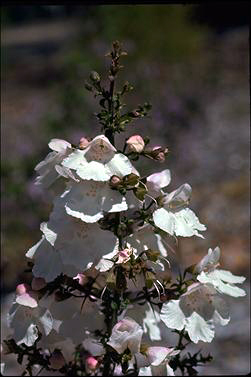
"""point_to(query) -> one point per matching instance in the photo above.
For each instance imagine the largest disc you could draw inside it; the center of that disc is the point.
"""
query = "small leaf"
(140, 191)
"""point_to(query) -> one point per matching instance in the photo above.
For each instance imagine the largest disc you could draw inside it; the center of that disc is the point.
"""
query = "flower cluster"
(102, 285)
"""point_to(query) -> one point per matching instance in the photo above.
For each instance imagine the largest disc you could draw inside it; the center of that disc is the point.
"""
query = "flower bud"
(22, 288)
(91, 363)
(135, 143)
(157, 153)
(38, 283)
(83, 143)
(115, 181)
(124, 256)
(57, 360)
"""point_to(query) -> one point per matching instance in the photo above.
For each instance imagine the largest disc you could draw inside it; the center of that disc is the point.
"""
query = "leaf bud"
(94, 76)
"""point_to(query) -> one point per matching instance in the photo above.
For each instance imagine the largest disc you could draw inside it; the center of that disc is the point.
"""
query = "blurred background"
(191, 62)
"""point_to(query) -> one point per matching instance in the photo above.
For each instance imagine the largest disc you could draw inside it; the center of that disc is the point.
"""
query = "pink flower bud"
(22, 288)
(124, 256)
(83, 143)
(115, 181)
(82, 279)
(135, 143)
(38, 283)
(158, 153)
(57, 360)
(91, 363)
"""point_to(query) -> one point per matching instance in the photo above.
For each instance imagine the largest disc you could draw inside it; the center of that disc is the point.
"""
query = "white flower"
(77, 242)
(155, 182)
(72, 319)
(126, 334)
(49, 169)
(197, 311)
(210, 261)
(148, 318)
(156, 360)
(48, 264)
(27, 321)
(88, 200)
(98, 161)
(174, 218)
(69, 245)
(222, 280)
(145, 238)
(25, 296)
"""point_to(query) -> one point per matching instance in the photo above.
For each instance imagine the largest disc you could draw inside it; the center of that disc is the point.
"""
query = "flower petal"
(155, 182)
(119, 165)
(94, 170)
(164, 220)
(26, 299)
(87, 200)
(198, 329)
(209, 261)
(172, 315)
(59, 145)
(187, 223)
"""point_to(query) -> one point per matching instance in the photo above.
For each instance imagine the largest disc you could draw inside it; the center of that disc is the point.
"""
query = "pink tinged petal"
(199, 329)
(91, 363)
(22, 289)
(59, 145)
(156, 355)
(172, 315)
(83, 143)
(157, 181)
(126, 334)
(135, 143)
(26, 299)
